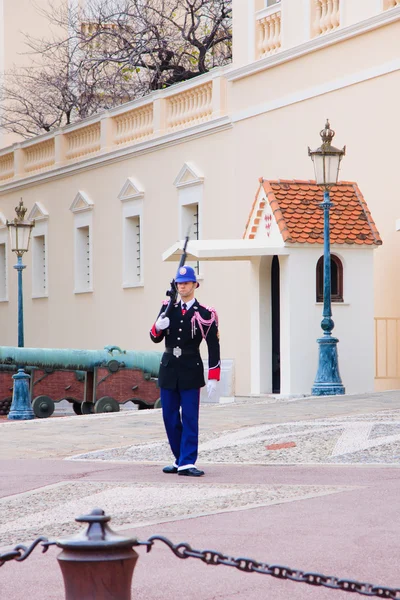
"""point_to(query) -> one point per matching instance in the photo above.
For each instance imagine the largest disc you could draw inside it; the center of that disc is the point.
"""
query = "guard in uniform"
(181, 371)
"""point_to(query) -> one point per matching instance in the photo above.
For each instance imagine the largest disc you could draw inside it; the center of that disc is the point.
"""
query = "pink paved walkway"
(353, 534)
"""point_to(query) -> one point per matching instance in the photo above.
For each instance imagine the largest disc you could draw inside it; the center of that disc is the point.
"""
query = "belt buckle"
(177, 352)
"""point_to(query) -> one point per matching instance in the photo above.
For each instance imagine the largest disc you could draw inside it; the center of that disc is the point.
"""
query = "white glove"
(211, 388)
(162, 322)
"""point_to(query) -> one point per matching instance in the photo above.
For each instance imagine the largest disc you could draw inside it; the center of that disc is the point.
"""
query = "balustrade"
(39, 156)
(7, 166)
(135, 125)
(164, 112)
(269, 33)
(326, 16)
(83, 141)
(190, 107)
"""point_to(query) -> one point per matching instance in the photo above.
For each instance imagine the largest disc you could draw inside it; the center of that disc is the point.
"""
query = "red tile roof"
(295, 206)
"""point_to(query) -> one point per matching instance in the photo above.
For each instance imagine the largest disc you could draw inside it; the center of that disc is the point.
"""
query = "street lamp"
(20, 235)
(326, 161)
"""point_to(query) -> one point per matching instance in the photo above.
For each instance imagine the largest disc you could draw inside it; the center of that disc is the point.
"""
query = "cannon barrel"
(81, 360)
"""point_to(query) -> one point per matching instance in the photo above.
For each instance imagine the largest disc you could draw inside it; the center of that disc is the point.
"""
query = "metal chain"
(248, 565)
(21, 552)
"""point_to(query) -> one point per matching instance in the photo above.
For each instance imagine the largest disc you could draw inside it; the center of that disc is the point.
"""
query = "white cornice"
(318, 90)
(339, 35)
(170, 139)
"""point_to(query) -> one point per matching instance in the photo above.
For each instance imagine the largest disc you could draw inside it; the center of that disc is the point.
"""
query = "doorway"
(275, 327)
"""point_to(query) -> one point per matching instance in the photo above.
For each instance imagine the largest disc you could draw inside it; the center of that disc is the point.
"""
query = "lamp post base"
(328, 381)
(21, 408)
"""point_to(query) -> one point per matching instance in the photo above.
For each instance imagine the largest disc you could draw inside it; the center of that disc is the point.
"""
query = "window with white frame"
(132, 251)
(190, 194)
(83, 227)
(3, 266)
(190, 223)
(39, 266)
(83, 259)
(39, 250)
(131, 197)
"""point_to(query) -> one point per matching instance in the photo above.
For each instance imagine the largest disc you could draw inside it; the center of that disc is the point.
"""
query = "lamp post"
(326, 161)
(20, 234)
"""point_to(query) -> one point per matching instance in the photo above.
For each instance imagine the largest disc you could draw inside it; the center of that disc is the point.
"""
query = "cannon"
(91, 380)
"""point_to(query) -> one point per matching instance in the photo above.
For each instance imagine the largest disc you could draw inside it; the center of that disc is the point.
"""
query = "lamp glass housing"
(20, 235)
(326, 166)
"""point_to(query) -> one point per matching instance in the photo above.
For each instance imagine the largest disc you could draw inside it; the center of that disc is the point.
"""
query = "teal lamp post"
(20, 235)
(326, 161)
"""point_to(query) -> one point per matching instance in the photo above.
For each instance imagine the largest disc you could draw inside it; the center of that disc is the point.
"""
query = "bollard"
(21, 408)
(97, 564)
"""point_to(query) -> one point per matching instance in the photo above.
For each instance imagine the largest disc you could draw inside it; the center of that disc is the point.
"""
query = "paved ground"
(310, 483)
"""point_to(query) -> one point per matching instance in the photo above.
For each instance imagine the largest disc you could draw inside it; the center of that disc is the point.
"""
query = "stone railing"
(191, 107)
(325, 16)
(390, 4)
(83, 141)
(136, 124)
(161, 113)
(39, 156)
(268, 31)
(7, 166)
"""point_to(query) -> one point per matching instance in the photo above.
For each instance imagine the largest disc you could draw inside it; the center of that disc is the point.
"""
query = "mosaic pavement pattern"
(51, 510)
(363, 439)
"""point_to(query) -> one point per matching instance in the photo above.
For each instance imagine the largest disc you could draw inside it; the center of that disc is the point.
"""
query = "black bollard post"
(97, 563)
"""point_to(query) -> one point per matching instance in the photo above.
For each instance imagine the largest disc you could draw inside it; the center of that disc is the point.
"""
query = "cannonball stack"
(5, 406)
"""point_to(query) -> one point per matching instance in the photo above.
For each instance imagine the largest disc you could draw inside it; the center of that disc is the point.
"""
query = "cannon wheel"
(43, 406)
(87, 408)
(106, 404)
(157, 403)
(77, 407)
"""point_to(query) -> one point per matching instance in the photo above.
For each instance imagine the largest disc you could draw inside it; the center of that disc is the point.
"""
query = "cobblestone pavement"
(306, 478)
(133, 505)
(354, 439)
(365, 439)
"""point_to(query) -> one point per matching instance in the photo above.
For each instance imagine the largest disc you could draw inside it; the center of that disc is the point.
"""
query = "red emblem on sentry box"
(268, 223)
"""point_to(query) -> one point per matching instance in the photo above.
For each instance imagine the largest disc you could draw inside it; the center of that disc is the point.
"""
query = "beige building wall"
(274, 108)
(16, 20)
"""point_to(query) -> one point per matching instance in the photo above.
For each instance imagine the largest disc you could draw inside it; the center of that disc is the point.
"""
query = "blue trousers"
(182, 429)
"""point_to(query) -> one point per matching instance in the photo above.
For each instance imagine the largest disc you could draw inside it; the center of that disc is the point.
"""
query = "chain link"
(248, 565)
(21, 552)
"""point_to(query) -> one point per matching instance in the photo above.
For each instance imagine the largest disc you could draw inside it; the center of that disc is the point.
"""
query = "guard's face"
(186, 289)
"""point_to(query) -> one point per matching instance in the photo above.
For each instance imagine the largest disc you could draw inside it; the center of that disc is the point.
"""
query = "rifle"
(173, 292)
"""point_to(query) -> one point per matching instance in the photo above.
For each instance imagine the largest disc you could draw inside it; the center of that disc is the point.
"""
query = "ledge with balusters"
(183, 106)
(325, 17)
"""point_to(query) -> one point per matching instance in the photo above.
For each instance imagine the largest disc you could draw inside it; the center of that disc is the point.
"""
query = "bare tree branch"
(110, 52)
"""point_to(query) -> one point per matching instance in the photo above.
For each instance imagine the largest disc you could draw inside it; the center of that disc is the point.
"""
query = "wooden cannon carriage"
(91, 380)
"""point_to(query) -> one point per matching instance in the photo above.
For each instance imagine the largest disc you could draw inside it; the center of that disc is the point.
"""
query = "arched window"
(336, 279)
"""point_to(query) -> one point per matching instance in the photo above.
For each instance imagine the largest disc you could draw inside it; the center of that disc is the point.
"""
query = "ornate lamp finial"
(21, 210)
(327, 134)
